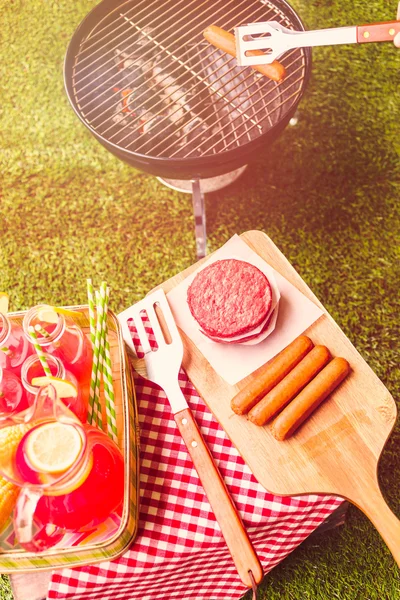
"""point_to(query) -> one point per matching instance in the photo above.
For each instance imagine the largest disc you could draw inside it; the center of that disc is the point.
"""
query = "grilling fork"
(262, 43)
(162, 367)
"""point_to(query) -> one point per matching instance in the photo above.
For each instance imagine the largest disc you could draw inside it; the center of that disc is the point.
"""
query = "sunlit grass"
(327, 192)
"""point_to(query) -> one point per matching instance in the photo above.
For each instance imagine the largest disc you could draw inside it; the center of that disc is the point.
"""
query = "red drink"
(100, 494)
(12, 394)
(32, 367)
(83, 496)
(14, 347)
(64, 340)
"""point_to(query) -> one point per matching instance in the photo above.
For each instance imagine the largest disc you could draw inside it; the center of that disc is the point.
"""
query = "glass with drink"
(61, 337)
(14, 346)
(32, 369)
(71, 475)
(12, 394)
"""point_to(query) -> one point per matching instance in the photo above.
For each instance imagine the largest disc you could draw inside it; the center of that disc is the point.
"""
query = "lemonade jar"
(33, 377)
(71, 475)
(60, 336)
(14, 346)
(12, 394)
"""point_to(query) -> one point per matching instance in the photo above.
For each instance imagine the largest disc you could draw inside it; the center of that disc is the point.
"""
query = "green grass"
(5, 591)
(327, 193)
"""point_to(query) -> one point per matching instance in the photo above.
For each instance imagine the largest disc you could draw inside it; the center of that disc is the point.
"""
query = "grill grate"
(145, 79)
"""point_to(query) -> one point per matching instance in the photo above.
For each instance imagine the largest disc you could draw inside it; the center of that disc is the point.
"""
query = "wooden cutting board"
(337, 450)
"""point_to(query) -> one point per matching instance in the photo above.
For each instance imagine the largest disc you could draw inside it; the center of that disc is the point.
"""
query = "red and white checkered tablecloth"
(179, 551)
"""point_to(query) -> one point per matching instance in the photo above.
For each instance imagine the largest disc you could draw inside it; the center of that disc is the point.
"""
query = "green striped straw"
(92, 322)
(92, 319)
(102, 311)
(39, 350)
(101, 360)
(94, 414)
(100, 303)
(108, 380)
(42, 331)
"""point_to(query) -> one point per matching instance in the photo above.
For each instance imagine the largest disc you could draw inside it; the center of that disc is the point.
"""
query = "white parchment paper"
(233, 362)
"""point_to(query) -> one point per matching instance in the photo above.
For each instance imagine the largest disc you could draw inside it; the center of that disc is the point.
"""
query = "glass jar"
(32, 367)
(12, 394)
(64, 340)
(14, 347)
(81, 498)
(75, 489)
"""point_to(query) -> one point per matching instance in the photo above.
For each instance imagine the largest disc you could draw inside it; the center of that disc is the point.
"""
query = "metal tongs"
(262, 43)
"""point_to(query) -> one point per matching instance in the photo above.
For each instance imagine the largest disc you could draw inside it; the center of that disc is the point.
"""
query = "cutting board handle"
(374, 506)
(235, 535)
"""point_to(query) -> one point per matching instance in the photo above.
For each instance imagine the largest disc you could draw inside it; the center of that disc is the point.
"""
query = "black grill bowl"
(207, 163)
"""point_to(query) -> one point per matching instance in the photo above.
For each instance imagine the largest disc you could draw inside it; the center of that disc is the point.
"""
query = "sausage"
(290, 386)
(271, 374)
(225, 41)
(310, 398)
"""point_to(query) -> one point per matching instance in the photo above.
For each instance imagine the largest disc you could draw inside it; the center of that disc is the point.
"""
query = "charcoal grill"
(143, 80)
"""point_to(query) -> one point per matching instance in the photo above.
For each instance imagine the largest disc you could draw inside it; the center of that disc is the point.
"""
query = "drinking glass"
(53, 501)
(32, 368)
(12, 394)
(14, 347)
(65, 340)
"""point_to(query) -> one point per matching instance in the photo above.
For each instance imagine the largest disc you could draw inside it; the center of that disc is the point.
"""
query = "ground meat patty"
(245, 338)
(229, 297)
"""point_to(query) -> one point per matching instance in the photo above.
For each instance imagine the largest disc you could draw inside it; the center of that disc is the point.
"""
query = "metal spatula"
(163, 366)
(262, 43)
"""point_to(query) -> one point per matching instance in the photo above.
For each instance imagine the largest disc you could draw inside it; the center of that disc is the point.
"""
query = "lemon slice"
(53, 447)
(66, 312)
(48, 315)
(64, 388)
(3, 303)
(72, 485)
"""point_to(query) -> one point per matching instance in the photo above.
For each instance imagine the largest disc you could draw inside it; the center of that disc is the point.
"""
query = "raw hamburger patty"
(245, 338)
(229, 297)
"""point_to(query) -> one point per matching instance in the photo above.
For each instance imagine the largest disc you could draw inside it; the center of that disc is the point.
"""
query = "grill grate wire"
(145, 79)
(175, 70)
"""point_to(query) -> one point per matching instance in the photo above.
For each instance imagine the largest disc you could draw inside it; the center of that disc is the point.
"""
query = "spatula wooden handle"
(225, 512)
(376, 509)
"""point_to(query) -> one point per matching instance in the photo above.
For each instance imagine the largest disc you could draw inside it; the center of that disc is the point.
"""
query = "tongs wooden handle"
(232, 528)
(378, 32)
(262, 43)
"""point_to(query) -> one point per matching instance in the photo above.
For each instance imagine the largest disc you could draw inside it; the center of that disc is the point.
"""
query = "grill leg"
(199, 211)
